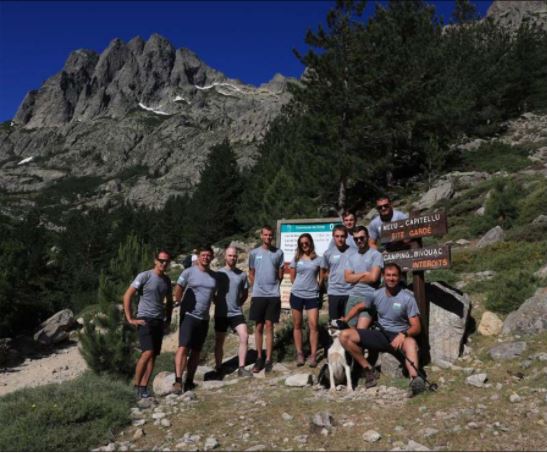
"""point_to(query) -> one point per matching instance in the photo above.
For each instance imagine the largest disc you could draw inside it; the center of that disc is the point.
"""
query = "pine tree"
(108, 342)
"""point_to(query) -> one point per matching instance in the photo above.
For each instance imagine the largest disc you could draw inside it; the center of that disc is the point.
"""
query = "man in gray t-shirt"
(266, 265)
(399, 324)
(362, 271)
(333, 265)
(386, 214)
(199, 284)
(233, 290)
(349, 220)
(153, 287)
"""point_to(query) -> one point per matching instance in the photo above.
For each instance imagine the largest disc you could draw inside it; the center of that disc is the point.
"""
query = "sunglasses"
(163, 261)
(360, 238)
(305, 243)
(382, 206)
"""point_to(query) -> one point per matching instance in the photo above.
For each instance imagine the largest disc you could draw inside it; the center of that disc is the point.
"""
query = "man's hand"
(137, 322)
(398, 341)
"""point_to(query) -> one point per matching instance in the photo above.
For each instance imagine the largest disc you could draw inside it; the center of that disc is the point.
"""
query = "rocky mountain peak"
(512, 13)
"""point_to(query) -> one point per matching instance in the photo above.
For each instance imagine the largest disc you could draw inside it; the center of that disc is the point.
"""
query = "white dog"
(338, 365)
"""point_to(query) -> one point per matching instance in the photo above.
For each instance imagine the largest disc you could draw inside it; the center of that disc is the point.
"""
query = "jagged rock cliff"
(512, 13)
(138, 118)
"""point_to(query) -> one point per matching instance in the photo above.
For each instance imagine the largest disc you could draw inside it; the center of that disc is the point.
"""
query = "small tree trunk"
(342, 195)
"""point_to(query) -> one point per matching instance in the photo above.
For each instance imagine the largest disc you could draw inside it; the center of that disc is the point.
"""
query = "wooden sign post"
(418, 259)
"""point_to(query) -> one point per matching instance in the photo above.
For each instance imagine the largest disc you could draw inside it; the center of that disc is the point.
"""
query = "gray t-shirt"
(363, 262)
(334, 261)
(152, 289)
(199, 287)
(231, 285)
(266, 264)
(305, 284)
(394, 311)
(376, 224)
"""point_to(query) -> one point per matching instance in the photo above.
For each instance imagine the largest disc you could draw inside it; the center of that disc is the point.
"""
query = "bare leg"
(410, 348)
(269, 340)
(363, 322)
(297, 329)
(148, 371)
(349, 339)
(313, 320)
(141, 367)
(181, 358)
(219, 348)
(241, 330)
(259, 331)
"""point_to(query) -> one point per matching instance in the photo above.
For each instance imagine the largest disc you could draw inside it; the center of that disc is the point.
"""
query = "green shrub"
(495, 156)
(74, 416)
(509, 291)
(533, 204)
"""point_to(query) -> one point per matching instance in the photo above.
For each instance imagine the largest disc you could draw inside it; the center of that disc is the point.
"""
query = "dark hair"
(300, 252)
(205, 248)
(395, 265)
(349, 212)
(383, 197)
(156, 256)
(340, 228)
(266, 227)
(361, 228)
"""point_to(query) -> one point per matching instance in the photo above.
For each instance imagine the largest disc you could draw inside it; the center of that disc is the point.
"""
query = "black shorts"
(151, 335)
(192, 332)
(222, 323)
(337, 306)
(265, 309)
(376, 340)
(299, 303)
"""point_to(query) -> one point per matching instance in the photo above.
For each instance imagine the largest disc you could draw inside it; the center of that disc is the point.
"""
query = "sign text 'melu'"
(427, 258)
(430, 224)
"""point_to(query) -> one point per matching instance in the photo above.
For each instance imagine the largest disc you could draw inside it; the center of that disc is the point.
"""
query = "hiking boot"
(177, 388)
(145, 393)
(370, 377)
(242, 372)
(189, 386)
(268, 366)
(259, 364)
(300, 359)
(417, 386)
(312, 361)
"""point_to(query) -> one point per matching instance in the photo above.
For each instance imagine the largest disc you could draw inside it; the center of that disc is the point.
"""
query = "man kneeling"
(399, 324)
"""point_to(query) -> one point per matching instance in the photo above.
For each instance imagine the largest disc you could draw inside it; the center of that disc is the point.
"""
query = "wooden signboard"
(420, 259)
(429, 224)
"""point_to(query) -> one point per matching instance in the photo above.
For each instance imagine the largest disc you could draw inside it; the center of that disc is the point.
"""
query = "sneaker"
(417, 385)
(370, 377)
(242, 372)
(189, 386)
(259, 364)
(268, 366)
(177, 388)
(312, 361)
(300, 359)
(145, 393)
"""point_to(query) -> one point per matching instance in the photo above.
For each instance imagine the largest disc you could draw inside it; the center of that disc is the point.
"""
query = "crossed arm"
(363, 277)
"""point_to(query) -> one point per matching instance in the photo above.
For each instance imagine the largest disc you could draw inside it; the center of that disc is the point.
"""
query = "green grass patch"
(495, 156)
(74, 416)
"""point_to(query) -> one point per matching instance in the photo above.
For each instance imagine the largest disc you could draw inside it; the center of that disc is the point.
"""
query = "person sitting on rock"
(233, 289)
(153, 287)
(199, 284)
(398, 323)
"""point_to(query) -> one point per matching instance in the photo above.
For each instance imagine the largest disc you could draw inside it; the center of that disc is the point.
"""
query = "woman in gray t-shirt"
(306, 280)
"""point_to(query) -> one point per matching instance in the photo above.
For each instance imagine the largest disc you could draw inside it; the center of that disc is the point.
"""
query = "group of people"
(351, 268)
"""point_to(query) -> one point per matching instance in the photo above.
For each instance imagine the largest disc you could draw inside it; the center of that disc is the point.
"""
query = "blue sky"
(247, 40)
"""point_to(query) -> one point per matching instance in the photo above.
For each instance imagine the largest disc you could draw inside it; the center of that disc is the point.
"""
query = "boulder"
(494, 235)
(448, 316)
(541, 273)
(473, 145)
(163, 383)
(299, 380)
(55, 329)
(323, 419)
(440, 191)
(390, 365)
(508, 350)
(490, 324)
(540, 220)
(477, 380)
(371, 436)
(531, 316)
